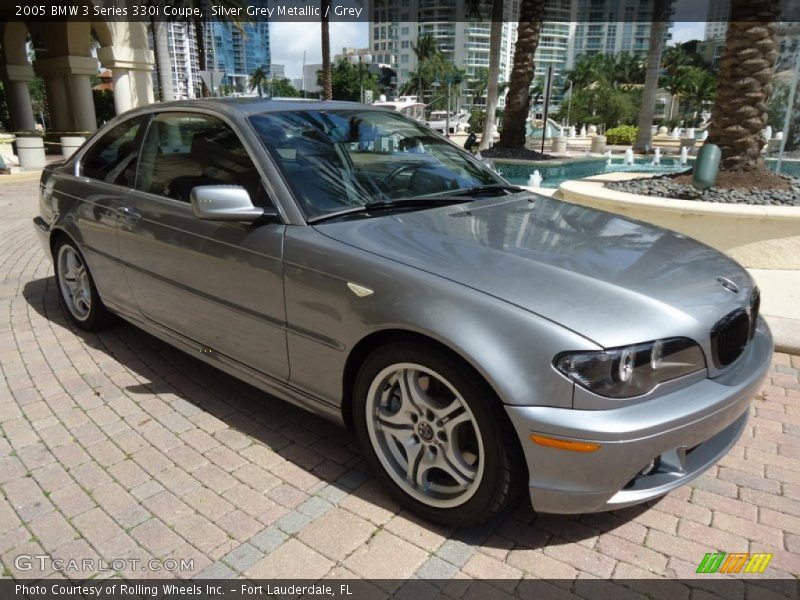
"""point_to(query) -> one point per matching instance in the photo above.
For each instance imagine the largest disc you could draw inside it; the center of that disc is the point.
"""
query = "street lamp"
(449, 79)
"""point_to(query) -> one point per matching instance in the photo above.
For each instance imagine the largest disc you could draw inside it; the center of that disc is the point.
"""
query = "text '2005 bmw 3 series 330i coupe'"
(481, 340)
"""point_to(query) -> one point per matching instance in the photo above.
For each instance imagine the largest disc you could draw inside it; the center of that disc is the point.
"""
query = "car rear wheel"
(76, 290)
(437, 434)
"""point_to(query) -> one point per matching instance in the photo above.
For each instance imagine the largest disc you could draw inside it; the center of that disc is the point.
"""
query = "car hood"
(613, 280)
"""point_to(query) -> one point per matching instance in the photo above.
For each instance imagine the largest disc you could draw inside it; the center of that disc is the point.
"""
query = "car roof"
(243, 107)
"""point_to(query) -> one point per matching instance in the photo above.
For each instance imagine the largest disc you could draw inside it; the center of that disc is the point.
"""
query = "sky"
(288, 41)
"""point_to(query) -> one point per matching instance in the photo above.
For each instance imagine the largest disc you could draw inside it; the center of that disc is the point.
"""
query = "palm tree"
(744, 84)
(628, 68)
(258, 79)
(531, 13)
(673, 60)
(478, 83)
(697, 88)
(425, 48)
(327, 77)
(495, 49)
(644, 122)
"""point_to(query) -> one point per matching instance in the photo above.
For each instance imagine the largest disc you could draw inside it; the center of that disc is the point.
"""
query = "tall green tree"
(744, 84)
(348, 80)
(283, 88)
(644, 121)
(697, 88)
(531, 15)
(258, 81)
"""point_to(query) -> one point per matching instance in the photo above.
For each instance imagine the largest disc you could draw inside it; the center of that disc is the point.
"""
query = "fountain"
(607, 154)
(690, 133)
(629, 156)
(684, 155)
(768, 133)
(676, 133)
(572, 131)
(583, 131)
(704, 135)
(657, 158)
(535, 179)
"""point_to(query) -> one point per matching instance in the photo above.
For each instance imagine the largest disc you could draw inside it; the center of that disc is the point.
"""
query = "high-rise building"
(610, 27)
(277, 71)
(396, 27)
(717, 19)
(238, 49)
(175, 49)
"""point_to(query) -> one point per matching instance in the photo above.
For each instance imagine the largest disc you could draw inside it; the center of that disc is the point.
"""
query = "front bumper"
(685, 431)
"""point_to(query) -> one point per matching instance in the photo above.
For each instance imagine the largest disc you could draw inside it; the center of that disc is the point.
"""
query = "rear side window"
(185, 150)
(112, 158)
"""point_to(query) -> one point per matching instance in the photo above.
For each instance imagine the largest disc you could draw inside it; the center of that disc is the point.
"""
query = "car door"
(217, 283)
(92, 198)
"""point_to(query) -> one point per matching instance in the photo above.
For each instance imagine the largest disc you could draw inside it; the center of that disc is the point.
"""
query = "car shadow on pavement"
(316, 456)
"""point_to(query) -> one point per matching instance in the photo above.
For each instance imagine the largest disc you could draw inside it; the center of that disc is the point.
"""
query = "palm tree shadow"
(324, 454)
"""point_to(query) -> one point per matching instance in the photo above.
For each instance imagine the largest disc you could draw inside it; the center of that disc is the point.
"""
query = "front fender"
(512, 348)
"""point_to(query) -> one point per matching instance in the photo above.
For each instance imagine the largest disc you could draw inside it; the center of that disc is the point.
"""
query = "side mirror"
(226, 203)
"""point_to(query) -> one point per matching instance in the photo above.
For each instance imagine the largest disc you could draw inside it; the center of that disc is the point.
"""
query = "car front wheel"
(437, 434)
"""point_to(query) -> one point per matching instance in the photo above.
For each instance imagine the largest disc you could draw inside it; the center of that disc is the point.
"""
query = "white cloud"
(288, 41)
(687, 31)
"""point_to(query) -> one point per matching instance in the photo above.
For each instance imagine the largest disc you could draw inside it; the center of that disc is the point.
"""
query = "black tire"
(98, 316)
(504, 472)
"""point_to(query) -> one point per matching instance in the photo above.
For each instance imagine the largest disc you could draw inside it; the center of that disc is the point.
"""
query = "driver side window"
(185, 150)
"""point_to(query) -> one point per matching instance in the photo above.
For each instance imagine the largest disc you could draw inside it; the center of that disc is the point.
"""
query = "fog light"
(651, 466)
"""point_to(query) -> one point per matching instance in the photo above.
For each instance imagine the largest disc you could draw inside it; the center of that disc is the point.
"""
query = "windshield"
(340, 159)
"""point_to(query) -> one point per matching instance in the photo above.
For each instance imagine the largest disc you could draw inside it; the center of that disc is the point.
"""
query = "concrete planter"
(758, 237)
(30, 150)
(598, 144)
(559, 145)
(70, 143)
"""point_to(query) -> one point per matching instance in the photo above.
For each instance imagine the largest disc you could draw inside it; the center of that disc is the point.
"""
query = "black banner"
(382, 11)
(414, 589)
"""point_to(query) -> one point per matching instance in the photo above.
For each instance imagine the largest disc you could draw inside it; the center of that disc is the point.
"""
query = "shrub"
(476, 117)
(624, 135)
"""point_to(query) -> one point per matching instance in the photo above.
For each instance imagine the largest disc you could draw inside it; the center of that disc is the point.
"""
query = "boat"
(407, 105)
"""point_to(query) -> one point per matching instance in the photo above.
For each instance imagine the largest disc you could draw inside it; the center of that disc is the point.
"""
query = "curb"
(785, 333)
(25, 176)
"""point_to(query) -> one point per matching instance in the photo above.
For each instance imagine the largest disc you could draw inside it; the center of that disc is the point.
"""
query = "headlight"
(632, 370)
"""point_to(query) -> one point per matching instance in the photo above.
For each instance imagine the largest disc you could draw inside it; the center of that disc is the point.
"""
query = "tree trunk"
(202, 57)
(644, 135)
(744, 85)
(327, 80)
(495, 49)
(162, 61)
(531, 13)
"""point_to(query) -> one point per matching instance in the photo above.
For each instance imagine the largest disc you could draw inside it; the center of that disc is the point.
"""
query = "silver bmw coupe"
(479, 339)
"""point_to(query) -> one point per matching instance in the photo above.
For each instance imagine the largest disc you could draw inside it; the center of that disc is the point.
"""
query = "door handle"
(129, 215)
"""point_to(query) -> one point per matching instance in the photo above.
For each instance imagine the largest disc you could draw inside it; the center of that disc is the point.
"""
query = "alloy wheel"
(425, 435)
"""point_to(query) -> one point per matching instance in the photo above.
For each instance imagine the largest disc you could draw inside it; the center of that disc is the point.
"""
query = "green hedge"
(624, 135)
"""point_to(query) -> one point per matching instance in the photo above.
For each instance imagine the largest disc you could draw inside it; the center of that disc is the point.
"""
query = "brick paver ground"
(119, 446)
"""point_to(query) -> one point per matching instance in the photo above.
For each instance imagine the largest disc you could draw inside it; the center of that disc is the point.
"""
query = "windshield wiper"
(383, 205)
(482, 189)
